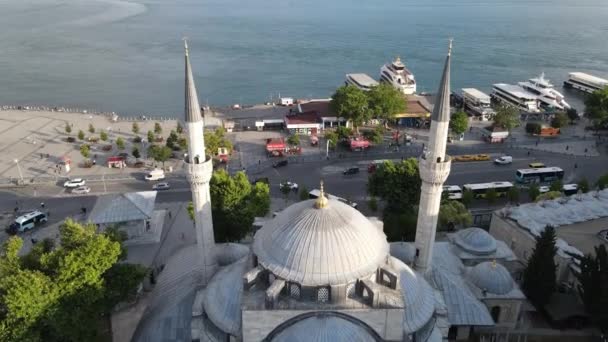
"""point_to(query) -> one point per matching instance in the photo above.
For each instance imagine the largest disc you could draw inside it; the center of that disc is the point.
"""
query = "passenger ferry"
(585, 82)
(477, 103)
(515, 96)
(361, 81)
(398, 76)
(547, 96)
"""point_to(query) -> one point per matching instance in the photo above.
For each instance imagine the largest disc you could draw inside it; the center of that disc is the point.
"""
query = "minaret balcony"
(433, 171)
(200, 172)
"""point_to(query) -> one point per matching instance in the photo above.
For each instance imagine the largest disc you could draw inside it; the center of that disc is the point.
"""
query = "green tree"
(513, 195)
(373, 204)
(150, 137)
(85, 150)
(593, 286)
(160, 153)
(68, 128)
(385, 101)
(332, 137)
(533, 192)
(453, 214)
(556, 186)
(80, 135)
(397, 184)
(583, 185)
(491, 195)
(459, 122)
(303, 194)
(91, 128)
(506, 117)
(103, 135)
(344, 133)
(602, 182)
(120, 143)
(157, 128)
(172, 141)
(539, 274)
(135, 153)
(179, 128)
(559, 120)
(182, 143)
(550, 195)
(293, 140)
(572, 114)
(351, 103)
(375, 136)
(135, 128)
(596, 107)
(467, 198)
(400, 226)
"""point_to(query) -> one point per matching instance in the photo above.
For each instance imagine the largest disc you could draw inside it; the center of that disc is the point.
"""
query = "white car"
(74, 183)
(161, 186)
(504, 160)
(289, 185)
(81, 190)
(543, 189)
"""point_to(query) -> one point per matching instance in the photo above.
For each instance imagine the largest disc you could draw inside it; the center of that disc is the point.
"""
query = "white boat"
(398, 76)
(361, 81)
(515, 96)
(548, 97)
(585, 82)
(478, 103)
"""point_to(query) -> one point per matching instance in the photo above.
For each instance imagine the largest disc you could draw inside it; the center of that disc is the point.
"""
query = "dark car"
(280, 163)
(351, 171)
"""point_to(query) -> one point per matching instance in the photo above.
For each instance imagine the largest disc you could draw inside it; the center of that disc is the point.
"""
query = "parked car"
(156, 174)
(543, 189)
(504, 160)
(160, 186)
(290, 185)
(351, 171)
(81, 190)
(74, 183)
(280, 163)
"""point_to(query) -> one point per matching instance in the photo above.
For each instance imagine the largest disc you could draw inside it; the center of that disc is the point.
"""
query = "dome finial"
(494, 263)
(322, 201)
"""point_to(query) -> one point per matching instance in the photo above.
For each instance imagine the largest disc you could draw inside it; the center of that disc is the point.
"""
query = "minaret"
(434, 167)
(199, 168)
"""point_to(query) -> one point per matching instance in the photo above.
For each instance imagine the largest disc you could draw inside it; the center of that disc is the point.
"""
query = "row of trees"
(596, 108)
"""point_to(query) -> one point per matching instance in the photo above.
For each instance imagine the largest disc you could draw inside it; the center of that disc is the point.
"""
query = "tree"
(120, 143)
(467, 198)
(172, 141)
(344, 133)
(182, 143)
(80, 135)
(453, 213)
(385, 101)
(533, 127)
(375, 136)
(559, 120)
(179, 128)
(533, 192)
(103, 135)
(491, 195)
(85, 150)
(539, 274)
(593, 286)
(135, 128)
(285, 190)
(160, 153)
(157, 128)
(506, 117)
(583, 185)
(303, 194)
(602, 182)
(68, 128)
(135, 153)
(373, 204)
(550, 195)
(216, 139)
(459, 122)
(596, 107)
(150, 137)
(332, 137)
(91, 128)
(397, 184)
(293, 140)
(556, 186)
(351, 103)
(513, 195)
(572, 114)
(400, 226)
(234, 205)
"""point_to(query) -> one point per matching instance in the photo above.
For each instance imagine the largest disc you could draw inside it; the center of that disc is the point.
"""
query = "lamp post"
(19, 169)
(327, 149)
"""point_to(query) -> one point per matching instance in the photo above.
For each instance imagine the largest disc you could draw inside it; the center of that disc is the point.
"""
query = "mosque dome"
(320, 242)
(476, 241)
(323, 326)
(492, 277)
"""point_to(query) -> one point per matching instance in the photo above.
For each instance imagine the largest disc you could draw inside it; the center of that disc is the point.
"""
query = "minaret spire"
(434, 168)
(199, 169)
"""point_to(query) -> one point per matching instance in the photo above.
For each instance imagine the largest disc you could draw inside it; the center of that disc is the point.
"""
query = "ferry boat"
(547, 96)
(361, 81)
(477, 103)
(398, 76)
(515, 96)
(585, 82)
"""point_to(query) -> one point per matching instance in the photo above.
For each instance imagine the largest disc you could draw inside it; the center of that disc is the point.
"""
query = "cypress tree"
(539, 275)
(593, 287)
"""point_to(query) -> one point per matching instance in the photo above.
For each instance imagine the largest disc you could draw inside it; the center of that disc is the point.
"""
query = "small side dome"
(476, 241)
(321, 327)
(492, 277)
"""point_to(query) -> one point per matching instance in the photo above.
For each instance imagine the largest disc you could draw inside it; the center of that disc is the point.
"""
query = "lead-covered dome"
(476, 241)
(324, 327)
(316, 243)
(492, 277)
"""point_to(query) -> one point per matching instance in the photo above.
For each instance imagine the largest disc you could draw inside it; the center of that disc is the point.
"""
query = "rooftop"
(125, 207)
(515, 90)
(362, 79)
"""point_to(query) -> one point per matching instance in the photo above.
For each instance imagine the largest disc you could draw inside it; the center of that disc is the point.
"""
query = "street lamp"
(19, 168)
(327, 149)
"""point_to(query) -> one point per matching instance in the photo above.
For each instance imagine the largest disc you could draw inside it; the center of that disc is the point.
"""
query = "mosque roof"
(475, 241)
(492, 277)
(125, 207)
(327, 244)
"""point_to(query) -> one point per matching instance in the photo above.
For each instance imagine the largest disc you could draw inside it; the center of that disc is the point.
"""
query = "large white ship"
(398, 76)
(548, 97)
(585, 82)
(515, 96)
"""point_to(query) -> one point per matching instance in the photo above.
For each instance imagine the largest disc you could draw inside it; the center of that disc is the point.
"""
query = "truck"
(156, 174)
(275, 147)
(359, 144)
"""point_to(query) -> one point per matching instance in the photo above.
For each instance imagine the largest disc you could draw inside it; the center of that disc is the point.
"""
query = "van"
(27, 221)
(156, 174)
(504, 160)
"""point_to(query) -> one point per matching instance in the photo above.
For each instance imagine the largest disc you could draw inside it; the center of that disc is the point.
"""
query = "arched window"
(323, 295)
(495, 312)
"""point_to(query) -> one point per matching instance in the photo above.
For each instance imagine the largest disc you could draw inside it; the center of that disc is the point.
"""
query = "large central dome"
(313, 245)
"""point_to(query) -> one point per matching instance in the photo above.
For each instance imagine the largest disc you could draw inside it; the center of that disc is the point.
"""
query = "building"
(321, 107)
(132, 212)
(493, 134)
(418, 111)
(305, 123)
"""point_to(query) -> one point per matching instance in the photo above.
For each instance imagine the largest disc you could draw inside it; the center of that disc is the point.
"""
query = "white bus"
(539, 175)
(28, 221)
(316, 193)
(479, 190)
(454, 192)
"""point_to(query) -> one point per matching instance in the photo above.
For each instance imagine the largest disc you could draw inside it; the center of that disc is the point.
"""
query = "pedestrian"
(528, 153)
(567, 147)
(575, 165)
(169, 213)
(42, 205)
